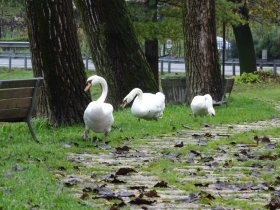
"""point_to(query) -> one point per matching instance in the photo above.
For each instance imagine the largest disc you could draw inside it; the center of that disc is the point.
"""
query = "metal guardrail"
(15, 44)
(169, 60)
(229, 62)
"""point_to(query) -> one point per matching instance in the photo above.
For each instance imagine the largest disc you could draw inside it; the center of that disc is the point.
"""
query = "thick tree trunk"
(245, 48)
(56, 56)
(151, 46)
(151, 53)
(115, 50)
(203, 73)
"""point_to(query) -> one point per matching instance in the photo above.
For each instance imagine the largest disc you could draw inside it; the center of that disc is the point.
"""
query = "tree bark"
(245, 48)
(151, 45)
(115, 50)
(151, 53)
(203, 71)
(57, 57)
(244, 41)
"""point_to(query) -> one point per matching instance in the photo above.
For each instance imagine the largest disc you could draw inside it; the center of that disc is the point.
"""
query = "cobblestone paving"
(140, 157)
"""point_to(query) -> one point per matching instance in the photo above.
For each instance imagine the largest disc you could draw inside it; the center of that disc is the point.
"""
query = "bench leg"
(31, 130)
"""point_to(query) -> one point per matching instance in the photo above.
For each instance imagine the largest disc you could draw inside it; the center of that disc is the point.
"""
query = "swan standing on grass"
(98, 115)
(146, 106)
(202, 105)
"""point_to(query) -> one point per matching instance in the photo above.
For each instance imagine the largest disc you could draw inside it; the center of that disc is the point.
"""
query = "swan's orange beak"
(124, 104)
(87, 87)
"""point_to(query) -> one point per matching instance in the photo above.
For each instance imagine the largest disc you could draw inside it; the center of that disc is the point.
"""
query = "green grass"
(31, 173)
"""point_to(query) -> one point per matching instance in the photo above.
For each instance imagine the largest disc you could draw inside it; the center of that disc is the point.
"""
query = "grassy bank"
(30, 171)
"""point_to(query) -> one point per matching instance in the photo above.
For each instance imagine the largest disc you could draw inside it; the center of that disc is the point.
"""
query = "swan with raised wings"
(202, 105)
(98, 115)
(146, 106)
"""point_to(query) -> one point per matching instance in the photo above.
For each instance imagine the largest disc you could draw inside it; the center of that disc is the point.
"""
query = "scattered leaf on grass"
(207, 157)
(84, 196)
(255, 173)
(18, 168)
(186, 126)
(125, 194)
(261, 186)
(70, 144)
(102, 146)
(194, 153)
(103, 191)
(172, 156)
(140, 201)
(161, 184)
(221, 185)
(139, 188)
(108, 197)
(270, 146)
(274, 203)
(124, 171)
(218, 208)
(179, 144)
(61, 168)
(202, 142)
(117, 206)
(265, 139)
(245, 186)
(201, 184)
(71, 182)
(191, 198)
(206, 125)
(197, 136)
(228, 164)
(151, 194)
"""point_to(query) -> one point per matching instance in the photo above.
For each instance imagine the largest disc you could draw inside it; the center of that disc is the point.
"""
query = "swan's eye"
(88, 82)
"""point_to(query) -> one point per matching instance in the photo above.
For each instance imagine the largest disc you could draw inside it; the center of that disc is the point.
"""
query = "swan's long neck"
(104, 90)
(139, 93)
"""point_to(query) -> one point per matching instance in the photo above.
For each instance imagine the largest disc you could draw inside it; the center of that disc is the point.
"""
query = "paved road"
(20, 63)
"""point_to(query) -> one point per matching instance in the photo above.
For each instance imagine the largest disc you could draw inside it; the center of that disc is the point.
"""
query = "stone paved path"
(140, 157)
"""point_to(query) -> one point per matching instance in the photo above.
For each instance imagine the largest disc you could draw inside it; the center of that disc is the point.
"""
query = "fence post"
(274, 69)
(25, 63)
(10, 63)
(86, 62)
(169, 67)
(233, 68)
(161, 66)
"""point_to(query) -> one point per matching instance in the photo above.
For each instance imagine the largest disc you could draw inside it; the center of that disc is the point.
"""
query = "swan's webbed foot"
(85, 135)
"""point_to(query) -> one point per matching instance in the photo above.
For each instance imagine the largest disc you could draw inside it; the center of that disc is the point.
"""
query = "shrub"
(247, 78)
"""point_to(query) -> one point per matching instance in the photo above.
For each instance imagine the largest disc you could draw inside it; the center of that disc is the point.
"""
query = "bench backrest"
(17, 98)
(226, 91)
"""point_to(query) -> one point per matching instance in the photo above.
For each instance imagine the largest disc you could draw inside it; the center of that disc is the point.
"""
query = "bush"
(247, 78)
(265, 75)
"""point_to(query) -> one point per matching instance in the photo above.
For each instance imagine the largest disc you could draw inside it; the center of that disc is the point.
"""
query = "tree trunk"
(245, 48)
(115, 50)
(151, 45)
(151, 53)
(203, 71)
(57, 57)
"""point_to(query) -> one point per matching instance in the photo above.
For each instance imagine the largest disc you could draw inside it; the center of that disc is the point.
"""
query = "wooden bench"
(227, 88)
(18, 99)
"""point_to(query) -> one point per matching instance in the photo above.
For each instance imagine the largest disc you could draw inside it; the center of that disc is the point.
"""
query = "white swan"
(98, 115)
(146, 106)
(202, 105)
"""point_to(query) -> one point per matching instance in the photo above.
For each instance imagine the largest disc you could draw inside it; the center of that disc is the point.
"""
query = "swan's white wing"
(200, 105)
(151, 106)
(99, 117)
